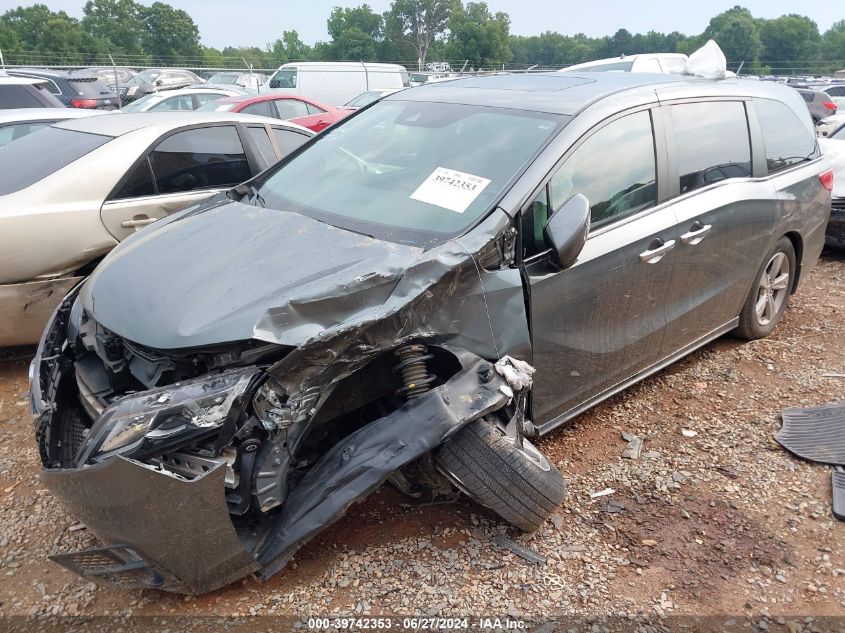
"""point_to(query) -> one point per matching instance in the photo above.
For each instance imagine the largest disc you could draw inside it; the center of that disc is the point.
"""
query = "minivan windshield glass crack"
(411, 172)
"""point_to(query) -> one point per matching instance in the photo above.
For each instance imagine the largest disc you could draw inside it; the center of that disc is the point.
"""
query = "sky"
(262, 21)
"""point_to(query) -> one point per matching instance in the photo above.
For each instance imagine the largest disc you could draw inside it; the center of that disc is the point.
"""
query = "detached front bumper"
(162, 531)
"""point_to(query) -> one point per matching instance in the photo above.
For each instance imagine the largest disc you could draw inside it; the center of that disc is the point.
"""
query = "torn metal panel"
(25, 308)
(364, 460)
(180, 528)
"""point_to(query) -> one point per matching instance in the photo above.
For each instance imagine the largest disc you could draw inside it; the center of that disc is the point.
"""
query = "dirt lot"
(724, 522)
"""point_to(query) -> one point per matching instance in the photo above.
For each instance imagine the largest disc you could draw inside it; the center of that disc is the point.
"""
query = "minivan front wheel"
(767, 299)
(520, 485)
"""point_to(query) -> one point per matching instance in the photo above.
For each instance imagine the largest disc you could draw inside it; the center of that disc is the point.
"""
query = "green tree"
(58, 38)
(289, 47)
(736, 33)
(422, 22)
(354, 44)
(363, 18)
(117, 23)
(789, 39)
(170, 35)
(355, 33)
(833, 44)
(479, 36)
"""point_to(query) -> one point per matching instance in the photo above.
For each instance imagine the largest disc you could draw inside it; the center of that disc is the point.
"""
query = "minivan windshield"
(410, 172)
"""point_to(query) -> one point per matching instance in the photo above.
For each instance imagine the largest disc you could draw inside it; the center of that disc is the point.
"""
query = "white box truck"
(335, 83)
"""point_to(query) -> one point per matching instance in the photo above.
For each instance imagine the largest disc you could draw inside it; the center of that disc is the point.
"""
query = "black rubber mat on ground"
(838, 481)
(816, 434)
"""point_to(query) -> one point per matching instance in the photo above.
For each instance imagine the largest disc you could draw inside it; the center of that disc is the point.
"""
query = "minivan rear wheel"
(520, 485)
(767, 299)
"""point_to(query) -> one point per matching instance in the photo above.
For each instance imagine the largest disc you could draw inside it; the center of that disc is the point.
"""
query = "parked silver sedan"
(71, 192)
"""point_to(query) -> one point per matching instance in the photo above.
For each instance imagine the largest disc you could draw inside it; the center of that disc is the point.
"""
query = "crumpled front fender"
(360, 463)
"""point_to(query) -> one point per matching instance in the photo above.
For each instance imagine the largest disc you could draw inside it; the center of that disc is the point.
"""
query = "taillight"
(829, 105)
(83, 103)
(827, 180)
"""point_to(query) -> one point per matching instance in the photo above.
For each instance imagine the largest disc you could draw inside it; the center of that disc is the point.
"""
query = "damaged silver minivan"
(411, 297)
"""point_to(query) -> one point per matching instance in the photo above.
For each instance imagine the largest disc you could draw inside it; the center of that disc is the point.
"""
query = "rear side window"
(291, 108)
(181, 102)
(13, 132)
(711, 143)
(204, 97)
(836, 91)
(262, 108)
(786, 139)
(262, 141)
(28, 160)
(288, 141)
(201, 158)
(17, 97)
(614, 168)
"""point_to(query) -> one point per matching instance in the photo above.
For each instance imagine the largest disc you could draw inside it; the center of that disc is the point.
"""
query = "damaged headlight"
(173, 413)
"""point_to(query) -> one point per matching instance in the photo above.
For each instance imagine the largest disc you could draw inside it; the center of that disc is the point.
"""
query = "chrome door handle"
(655, 255)
(128, 224)
(694, 237)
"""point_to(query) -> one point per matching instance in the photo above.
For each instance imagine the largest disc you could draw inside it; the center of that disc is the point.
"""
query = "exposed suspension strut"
(412, 367)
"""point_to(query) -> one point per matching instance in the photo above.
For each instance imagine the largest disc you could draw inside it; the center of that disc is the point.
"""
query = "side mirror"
(274, 83)
(566, 231)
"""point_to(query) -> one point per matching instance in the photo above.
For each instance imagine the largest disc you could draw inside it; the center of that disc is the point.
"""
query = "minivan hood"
(226, 271)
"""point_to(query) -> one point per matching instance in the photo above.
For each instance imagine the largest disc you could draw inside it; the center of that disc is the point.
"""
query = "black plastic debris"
(837, 480)
(528, 555)
(816, 434)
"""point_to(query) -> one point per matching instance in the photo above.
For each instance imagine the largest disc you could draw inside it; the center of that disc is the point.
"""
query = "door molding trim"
(661, 364)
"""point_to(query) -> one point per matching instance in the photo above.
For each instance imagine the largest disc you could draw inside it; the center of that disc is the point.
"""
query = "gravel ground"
(713, 518)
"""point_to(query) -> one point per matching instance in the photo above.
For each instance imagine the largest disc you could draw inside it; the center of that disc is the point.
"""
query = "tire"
(522, 487)
(773, 297)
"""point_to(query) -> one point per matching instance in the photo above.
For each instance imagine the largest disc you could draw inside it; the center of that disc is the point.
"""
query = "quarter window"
(614, 168)
(262, 141)
(786, 138)
(138, 183)
(291, 108)
(288, 140)
(201, 158)
(711, 143)
(312, 109)
(13, 96)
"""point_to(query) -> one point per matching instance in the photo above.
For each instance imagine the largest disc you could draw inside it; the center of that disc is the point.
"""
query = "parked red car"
(308, 113)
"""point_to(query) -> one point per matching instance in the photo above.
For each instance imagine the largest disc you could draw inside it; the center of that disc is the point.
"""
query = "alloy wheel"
(772, 289)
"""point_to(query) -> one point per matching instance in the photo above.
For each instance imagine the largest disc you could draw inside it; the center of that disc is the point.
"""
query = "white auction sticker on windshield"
(450, 189)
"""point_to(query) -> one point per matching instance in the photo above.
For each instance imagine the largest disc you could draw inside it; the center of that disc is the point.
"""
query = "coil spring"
(412, 367)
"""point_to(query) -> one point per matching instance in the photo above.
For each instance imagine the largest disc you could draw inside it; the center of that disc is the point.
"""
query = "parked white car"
(17, 123)
(182, 99)
(829, 125)
(70, 192)
(666, 63)
(335, 83)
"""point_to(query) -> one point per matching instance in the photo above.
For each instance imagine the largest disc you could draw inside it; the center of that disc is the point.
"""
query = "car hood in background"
(226, 271)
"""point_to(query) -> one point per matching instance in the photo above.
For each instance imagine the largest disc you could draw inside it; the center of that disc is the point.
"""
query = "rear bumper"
(25, 308)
